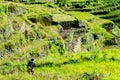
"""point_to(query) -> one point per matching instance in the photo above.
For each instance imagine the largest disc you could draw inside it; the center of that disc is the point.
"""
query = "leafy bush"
(57, 47)
(110, 42)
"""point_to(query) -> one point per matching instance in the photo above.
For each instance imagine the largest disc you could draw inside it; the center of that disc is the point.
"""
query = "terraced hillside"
(106, 9)
(69, 40)
(108, 12)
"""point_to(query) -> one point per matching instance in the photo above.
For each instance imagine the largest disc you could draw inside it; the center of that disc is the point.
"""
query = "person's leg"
(32, 71)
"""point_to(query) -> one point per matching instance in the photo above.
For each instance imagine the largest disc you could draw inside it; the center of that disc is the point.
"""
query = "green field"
(103, 64)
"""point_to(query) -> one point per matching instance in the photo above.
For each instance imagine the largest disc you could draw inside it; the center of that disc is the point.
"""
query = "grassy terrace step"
(114, 8)
(100, 12)
(101, 7)
(76, 0)
(106, 7)
(79, 9)
(118, 24)
(109, 16)
(104, 10)
(38, 2)
(77, 4)
(115, 19)
(35, 2)
(112, 13)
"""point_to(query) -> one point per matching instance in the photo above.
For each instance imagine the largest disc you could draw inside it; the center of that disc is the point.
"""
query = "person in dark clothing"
(30, 66)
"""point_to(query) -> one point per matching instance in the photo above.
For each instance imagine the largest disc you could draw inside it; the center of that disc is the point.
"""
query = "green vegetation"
(69, 39)
(93, 22)
(68, 66)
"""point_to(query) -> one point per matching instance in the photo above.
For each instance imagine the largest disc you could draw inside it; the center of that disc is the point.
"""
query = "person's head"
(32, 59)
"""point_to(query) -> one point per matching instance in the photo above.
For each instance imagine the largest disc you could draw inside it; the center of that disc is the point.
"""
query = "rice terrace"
(59, 39)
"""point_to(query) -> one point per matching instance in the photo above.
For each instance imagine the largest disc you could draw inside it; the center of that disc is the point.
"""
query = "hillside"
(69, 39)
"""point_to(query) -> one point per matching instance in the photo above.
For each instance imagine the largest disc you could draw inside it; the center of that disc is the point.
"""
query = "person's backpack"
(30, 64)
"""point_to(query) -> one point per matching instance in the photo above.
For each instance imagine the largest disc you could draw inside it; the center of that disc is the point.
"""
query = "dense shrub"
(56, 46)
(110, 42)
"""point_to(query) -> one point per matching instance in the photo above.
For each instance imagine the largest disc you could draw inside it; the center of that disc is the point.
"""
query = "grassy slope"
(56, 66)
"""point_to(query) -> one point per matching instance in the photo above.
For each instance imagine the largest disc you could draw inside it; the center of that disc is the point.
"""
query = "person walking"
(30, 66)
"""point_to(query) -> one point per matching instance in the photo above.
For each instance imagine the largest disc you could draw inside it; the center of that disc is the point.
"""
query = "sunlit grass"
(102, 65)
